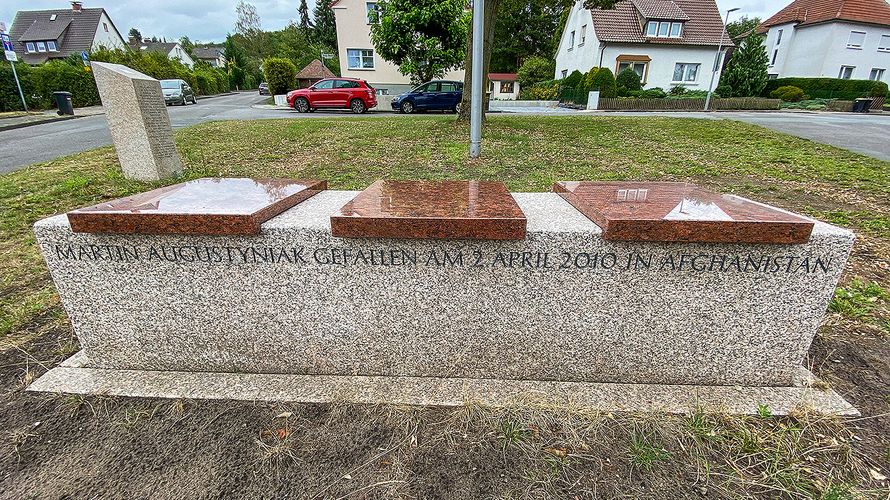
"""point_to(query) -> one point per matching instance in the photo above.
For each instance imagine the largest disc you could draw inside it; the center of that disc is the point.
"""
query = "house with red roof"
(503, 86)
(847, 39)
(667, 42)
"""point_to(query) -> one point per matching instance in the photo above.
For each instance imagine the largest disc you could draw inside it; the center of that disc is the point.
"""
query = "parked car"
(177, 92)
(264, 89)
(346, 93)
(441, 95)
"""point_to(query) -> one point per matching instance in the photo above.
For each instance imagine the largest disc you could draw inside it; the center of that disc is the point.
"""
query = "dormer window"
(664, 29)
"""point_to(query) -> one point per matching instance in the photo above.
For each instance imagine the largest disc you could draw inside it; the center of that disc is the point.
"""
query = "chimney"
(76, 6)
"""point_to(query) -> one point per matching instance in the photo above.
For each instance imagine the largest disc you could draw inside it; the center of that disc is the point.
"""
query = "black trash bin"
(862, 105)
(63, 102)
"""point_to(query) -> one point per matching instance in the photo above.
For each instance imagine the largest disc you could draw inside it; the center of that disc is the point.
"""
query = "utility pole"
(476, 83)
(717, 58)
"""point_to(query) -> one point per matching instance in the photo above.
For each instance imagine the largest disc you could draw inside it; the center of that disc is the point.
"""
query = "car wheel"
(457, 108)
(407, 107)
(302, 105)
(357, 106)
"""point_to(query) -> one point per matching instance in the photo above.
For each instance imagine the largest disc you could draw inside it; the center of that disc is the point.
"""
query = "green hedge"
(9, 93)
(280, 74)
(829, 88)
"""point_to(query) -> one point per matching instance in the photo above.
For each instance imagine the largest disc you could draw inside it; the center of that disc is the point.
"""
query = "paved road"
(866, 134)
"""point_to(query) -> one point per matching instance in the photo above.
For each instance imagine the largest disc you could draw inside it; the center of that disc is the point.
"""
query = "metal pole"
(17, 84)
(717, 59)
(476, 83)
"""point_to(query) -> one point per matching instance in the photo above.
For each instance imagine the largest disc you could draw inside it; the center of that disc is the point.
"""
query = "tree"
(281, 75)
(604, 81)
(746, 71)
(325, 32)
(304, 15)
(134, 35)
(187, 46)
(533, 70)
(525, 28)
(424, 38)
(248, 22)
(741, 28)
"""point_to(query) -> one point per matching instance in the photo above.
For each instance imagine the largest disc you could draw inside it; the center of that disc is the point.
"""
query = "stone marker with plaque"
(617, 296)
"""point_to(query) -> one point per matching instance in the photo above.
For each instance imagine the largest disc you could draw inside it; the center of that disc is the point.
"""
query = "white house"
(173, 50)
(40, 35)
(667, 42)
(829, 38)
(358, 59)
(503, 86)
(211, 54)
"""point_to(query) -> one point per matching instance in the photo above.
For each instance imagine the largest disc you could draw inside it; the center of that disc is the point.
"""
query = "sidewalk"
(46, 117)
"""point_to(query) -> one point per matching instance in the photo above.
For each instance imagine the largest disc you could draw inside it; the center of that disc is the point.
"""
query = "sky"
(210, 20)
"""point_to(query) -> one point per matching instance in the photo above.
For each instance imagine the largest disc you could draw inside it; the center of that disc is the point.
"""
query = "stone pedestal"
(138, 122)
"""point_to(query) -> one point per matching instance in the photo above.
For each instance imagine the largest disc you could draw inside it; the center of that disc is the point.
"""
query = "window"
(506, 87)
(857, 38)
(779, 37)
(571, 40)
(686, 72)
(325, 84)
(583, 35)
(877, 74)
(664, 29)
(638, 67)
(772, 76)
(884, 45)
(360, 58)
(564, 73)
(490, 86)
(846, 72)
(775, 54)
(53, 17)
(345, 84)
(372, 13)
(105, 26)
(51, 45)
(41, 47)
(29, 46)
(449, 87)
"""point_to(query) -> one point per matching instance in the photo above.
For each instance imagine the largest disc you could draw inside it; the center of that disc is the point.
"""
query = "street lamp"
(476, 79)
(717, 58)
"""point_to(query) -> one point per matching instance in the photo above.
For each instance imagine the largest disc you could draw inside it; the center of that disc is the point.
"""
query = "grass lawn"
(430, 452)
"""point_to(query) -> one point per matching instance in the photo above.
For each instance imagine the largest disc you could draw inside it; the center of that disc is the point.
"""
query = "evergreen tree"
(746, 71)
(305, 24)
(325, 32)
(135, 35)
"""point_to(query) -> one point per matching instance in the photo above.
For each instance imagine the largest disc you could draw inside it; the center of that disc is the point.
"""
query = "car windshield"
(169, 84)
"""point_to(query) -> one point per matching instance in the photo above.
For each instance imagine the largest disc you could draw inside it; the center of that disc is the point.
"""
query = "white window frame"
(633, 65)
(583, 35)
(369, 6)
(654, 29)
(51, 46)
(362, 57)
(571, 40)
(878, 74)
(105, 26)
(850, 44)
(684, 76)
(29, 47)
(41, 47)
(779, 37)
(884, 44)
(840, 73)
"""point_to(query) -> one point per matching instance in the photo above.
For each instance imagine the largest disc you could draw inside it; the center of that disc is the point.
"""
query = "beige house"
(358, 59)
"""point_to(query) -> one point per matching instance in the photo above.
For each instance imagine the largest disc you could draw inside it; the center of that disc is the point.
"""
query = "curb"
(202, 97)
(40, 122)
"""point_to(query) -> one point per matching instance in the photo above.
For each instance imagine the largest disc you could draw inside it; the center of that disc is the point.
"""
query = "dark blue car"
(441, 95)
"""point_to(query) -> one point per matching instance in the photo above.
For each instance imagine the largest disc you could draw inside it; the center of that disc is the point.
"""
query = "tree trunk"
(490, 12)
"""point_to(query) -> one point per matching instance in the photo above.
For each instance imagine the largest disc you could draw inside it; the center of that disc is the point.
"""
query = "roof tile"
(808, 12)
(623, 24)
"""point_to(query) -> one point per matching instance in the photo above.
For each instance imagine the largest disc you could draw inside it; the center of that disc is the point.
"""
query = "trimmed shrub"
(9, 93)
(535, 69)
(723, 90)
(788, 93)
(829, 88)
(55, 76)
(541, 91)
(589, 77)
(677, 90)
(629, 80)
(653, 93)
(573, 79)
(604, 81)
(280, 74)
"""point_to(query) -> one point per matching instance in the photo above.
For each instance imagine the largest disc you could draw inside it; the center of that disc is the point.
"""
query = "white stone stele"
(593, 100)
(138, 122)
(563, 305)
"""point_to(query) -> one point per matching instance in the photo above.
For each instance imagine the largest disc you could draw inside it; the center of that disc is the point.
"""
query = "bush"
(653, 93)
(9, 93)
(57, 76)
(535, 69)
(629, 80)
(280, 74)
(723, 90)
(541, 91)
(573, 79)
(829, 88)
(604, 82)
(788, 93)
(589, 78)
(677, 90)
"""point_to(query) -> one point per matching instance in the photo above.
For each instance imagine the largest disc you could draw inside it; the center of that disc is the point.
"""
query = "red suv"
(346, 93)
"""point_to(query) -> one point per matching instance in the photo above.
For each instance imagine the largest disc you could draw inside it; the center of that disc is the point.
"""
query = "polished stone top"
(431, 209)
(235, 206)
(676, 211)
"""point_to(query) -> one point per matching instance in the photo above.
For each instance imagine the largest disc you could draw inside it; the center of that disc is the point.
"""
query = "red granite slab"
(431, 209)
(676, 211)
(232, 206)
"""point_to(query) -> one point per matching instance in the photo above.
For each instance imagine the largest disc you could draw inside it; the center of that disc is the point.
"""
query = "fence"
(666, 104)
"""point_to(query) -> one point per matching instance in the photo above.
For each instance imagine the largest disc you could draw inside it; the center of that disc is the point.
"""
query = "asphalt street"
(868, 134)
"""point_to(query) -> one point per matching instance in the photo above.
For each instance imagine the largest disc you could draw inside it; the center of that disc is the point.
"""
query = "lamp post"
(476, 80)
(717, 58)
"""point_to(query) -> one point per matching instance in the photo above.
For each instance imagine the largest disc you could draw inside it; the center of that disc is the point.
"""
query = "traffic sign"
(8, 48)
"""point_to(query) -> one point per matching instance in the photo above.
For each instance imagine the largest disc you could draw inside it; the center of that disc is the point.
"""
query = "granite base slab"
(76, 376)
(563, 304)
